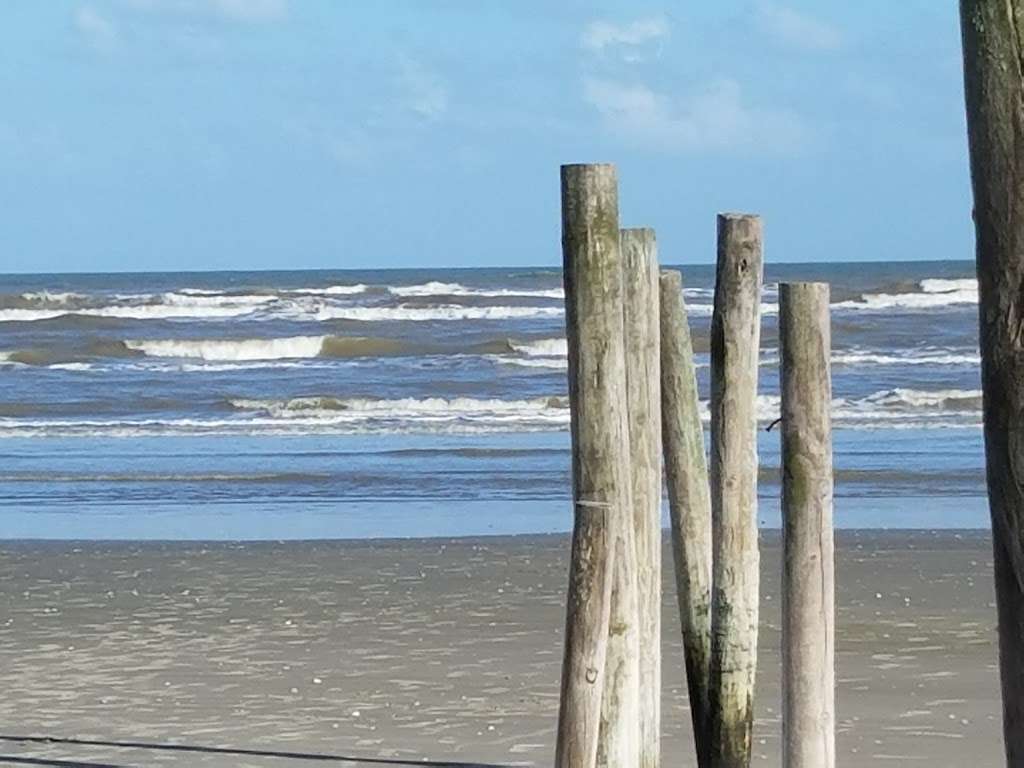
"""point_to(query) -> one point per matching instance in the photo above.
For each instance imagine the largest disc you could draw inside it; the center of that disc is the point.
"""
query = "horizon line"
(538, 267)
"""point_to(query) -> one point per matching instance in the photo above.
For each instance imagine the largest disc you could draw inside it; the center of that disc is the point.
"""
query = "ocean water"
(419, 403)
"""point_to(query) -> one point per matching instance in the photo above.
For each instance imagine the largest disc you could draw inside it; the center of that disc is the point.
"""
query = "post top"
(804, 285)
(639, 231)
(670, 276)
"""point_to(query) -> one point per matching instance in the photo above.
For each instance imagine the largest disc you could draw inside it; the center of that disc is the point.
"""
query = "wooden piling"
(994, 89)
(735, 341)
(600, 447)
(689, 500)
(808, 574)
(586, 636)
(640, 260)
(619, 742)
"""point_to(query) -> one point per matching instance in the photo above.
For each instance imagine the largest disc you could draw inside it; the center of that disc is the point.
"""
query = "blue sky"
(262, 134)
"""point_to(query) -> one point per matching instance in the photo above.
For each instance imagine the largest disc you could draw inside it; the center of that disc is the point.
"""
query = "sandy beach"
(442, 652)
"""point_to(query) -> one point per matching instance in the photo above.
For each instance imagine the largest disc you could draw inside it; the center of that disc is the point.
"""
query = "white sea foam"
(424, 314)
(945, 399)
(942, 285)
(540, 353)
(28, 315)
(183, 299)
(49, 297)
(542, 347)
(914, 407)
(232, 349)
(553, 363)
(437, 288)
(327, 415)
(899, 408)
(556, 407)
(128, 312)
(200, 292)
(907, 357)
(412, 414)
(332, 290)
(935, 293)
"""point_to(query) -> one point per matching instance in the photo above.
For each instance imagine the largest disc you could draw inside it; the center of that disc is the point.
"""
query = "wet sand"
(439, 652)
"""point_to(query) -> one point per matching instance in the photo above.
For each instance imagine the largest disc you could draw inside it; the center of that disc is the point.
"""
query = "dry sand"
(438, 652)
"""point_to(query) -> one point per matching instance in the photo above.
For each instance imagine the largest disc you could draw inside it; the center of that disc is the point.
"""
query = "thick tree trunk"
(993, 33)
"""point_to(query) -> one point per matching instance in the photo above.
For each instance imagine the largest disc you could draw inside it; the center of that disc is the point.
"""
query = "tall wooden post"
(994, 87)
(689, 501)
(735, 340)
(640, 257)
(808, 572)
(600, 447)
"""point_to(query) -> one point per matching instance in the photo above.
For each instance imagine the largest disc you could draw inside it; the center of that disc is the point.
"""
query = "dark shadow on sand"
(313, 756)
(51, 762)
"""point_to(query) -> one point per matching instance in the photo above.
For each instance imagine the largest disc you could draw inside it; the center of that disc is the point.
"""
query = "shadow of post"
(277, 754)
(52, 762)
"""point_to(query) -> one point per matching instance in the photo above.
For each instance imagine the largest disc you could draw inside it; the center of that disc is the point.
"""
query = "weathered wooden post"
(994, 87)
(640, 257)
(689, 501)
(808, 572)
(600, 447)
(619, 742)
(735, 341)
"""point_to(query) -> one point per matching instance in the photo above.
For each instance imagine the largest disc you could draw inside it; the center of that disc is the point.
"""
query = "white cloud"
(97, 29)
(251, 11)
(601, 35)
(798, 30)
(426, 94)
(715, 119)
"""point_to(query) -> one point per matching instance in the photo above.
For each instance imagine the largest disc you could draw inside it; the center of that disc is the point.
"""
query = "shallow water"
(414, 403)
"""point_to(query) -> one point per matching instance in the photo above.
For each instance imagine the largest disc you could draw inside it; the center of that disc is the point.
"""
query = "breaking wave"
(332, 290)
(899, 408)
(436, 288)
(547, 354)
(857, 357)
(426, 314)
(935, 293)
(239, 350)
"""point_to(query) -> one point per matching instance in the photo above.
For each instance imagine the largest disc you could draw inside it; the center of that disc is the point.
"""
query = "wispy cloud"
(714, 119)
(599, 36)
(796, 29)
(249, 11)
(98, 30)
(426, 94)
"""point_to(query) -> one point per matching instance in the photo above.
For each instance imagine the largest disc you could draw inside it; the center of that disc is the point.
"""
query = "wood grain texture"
(600, 448)
(735, 342)
(643, 345)
(808, 572)
(689, 496)
(993, 76)
(994, 87)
